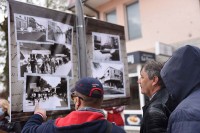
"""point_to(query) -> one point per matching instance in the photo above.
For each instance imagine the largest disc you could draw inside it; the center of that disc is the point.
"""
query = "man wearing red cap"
(87, 96)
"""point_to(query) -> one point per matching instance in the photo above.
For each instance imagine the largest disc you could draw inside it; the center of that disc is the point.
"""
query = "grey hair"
(153, 68)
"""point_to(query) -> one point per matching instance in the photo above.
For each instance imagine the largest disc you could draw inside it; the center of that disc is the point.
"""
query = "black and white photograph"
(59, 32)
(53, 59)
(111, 76)
(106, 47)
(50, 92)
(30, 28)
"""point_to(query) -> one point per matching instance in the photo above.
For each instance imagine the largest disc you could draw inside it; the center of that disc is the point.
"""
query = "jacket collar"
(158, 95)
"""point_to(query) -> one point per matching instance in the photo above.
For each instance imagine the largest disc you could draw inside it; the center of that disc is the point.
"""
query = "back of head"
(90, 90)
(181, 73)
(4, 104)
(153, 68)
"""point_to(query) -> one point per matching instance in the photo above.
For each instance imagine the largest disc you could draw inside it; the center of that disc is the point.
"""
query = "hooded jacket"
(82, 121)
(181, 75)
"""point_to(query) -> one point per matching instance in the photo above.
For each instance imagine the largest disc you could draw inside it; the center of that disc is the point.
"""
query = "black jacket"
(156, 113)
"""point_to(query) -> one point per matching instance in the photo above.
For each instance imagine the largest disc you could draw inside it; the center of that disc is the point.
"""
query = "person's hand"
(40, 111)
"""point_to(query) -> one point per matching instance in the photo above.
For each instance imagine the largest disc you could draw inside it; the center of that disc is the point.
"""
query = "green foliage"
(3, 50)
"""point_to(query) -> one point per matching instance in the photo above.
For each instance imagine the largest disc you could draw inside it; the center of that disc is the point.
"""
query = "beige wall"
(118, 5)
(167, 21)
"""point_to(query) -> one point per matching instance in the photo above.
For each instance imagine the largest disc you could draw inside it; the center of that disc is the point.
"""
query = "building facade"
(154, 26)
(171, 22)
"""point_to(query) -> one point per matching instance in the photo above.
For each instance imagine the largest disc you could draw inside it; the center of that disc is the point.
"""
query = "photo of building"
(111, 77)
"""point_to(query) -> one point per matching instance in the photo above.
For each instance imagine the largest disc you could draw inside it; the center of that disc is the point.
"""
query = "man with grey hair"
(156, 112)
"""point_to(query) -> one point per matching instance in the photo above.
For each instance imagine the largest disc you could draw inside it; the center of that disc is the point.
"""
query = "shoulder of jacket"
(158, 109)
(117, 129)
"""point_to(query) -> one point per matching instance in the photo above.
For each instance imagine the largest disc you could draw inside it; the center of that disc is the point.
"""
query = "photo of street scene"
(59, 32)
(30, 28)
(53, 59)
(111, 76)
(50, 92)
(106, 47)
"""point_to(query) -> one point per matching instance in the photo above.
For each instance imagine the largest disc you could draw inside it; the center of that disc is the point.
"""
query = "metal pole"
(81, 39)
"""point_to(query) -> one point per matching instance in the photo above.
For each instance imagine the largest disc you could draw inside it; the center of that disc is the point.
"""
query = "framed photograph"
(53, 59)
(59, 32)
(111, 75)
(132, 119)
(30, 28)
(50, 92)
(106, 47)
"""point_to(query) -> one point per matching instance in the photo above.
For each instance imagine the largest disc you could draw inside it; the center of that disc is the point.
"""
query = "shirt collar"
(152, 96)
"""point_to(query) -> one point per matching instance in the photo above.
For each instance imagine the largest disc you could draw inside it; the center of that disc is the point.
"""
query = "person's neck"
(154, 92)
(91, 109)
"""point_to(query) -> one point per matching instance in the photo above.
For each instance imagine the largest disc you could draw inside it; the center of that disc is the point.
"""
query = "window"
(133, 21)
(111, 17)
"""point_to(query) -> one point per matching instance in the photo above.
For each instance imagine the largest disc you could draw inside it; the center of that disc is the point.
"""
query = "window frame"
(109, 12)
(127, 22)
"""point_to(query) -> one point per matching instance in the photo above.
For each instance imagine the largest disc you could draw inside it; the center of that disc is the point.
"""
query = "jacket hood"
(81, 121)
(181, 73)
(78, 118)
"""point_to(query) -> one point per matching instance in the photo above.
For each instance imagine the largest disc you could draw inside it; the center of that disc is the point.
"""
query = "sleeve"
(156, 121)
(181, 122)
(35, 125)
(185, 127)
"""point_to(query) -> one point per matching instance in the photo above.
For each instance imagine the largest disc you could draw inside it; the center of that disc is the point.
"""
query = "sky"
(1, 17)
(2, 14)
(53, 81)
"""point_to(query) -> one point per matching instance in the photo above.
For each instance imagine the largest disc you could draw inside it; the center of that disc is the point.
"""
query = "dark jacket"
(181, 75)
(75, 122)
(156, 113)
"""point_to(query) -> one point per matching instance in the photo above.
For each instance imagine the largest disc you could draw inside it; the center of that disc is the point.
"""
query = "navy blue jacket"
(75, 122)
(181, 75)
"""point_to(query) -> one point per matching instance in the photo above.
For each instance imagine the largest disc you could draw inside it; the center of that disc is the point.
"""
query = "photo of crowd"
(40, 48)
(48, 91)
(52, 59)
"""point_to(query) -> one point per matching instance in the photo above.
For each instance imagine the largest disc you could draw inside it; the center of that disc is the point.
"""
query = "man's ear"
(155, 80)
(77, 101)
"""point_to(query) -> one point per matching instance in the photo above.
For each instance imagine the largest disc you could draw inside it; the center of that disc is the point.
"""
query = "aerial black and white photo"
(50, 92)
(30, 28)
(53, 59)
(111, 76)
(59, 32)
(106, 47)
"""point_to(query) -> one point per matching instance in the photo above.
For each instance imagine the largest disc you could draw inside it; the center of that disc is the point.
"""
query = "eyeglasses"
(73, 95)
